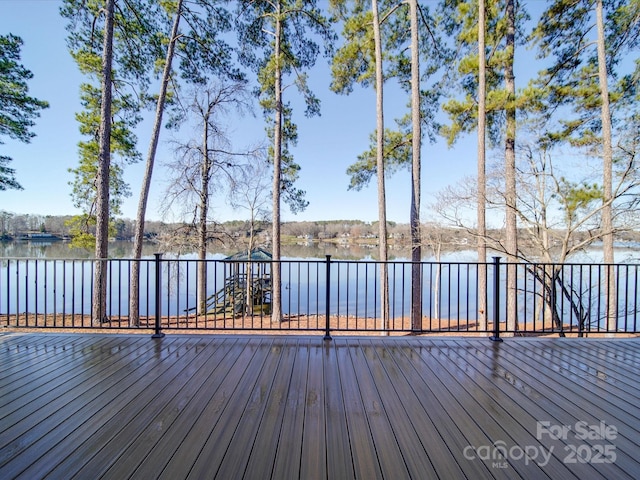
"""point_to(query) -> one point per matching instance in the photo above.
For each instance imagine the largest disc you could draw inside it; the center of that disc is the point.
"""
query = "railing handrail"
(350, 290)
(148, 258)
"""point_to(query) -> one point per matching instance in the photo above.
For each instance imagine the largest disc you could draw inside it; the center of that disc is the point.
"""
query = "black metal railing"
(326, 296)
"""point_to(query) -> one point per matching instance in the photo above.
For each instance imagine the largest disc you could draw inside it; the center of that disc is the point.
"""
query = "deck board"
(571, 407)
(32, 369)
(145, 424)
(158, 444)
(425, 438)
(489, 416)
(572, 390)
(374, 379)
(209, 406)
(271, 384)
(392, 456)
(505, 400)
(221, 412)
(242, 412)
(263, 445)
(95, 416)
(455, 423)
(313, 459)
(366, 461)
(286, 461)
(52, 413)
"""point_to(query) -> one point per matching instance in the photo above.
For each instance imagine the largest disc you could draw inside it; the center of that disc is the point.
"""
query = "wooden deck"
(208, 406)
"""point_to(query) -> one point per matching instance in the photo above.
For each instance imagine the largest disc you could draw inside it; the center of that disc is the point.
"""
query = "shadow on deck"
(190, 406)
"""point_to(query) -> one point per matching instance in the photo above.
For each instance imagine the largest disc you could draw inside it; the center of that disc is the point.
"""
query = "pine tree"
(276, 41)
(587, 41)
(17, 109)
(401, 29)
(501, 104)
(416, 164)
(482, 180)
(124, 62)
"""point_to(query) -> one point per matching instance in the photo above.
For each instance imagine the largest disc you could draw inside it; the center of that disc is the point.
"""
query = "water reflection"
(312, 250)
(65, 251)
(306, 251)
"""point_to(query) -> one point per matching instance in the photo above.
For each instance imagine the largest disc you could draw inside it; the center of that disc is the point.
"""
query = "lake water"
(449, 289)
(124, 249)
(630, 253)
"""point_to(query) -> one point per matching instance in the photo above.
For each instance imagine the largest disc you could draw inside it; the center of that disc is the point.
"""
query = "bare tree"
(202, 167)
(560, 211)
(249, 192)
(434, 237)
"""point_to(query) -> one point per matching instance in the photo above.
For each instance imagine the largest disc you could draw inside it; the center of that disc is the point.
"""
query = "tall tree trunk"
(249, 271)
(416, 142)
(510, 172)
(437, 289)
(276, 292)
(482, 181)
(204, 213)
(551, 317)
(99, 294)
(134, 291)
(382, 204)
(607, 168)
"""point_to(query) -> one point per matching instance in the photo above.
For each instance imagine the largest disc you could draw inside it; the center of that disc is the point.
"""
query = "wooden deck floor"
(115, 406)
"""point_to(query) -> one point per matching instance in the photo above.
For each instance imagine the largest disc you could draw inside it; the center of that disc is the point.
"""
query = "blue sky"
(327, 144)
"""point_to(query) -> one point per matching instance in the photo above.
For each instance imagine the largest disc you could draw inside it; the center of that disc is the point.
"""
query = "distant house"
(38, 237)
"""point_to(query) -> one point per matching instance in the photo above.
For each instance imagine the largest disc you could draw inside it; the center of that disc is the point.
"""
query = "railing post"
(327, 331)
(158, 333)
(496, 300)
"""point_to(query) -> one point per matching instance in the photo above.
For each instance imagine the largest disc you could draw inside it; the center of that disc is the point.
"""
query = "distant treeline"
(30, 227)
(22, 226)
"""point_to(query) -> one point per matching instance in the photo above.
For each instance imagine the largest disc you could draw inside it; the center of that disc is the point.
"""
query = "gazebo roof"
(256, 254)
